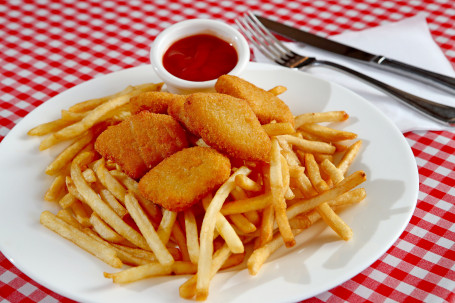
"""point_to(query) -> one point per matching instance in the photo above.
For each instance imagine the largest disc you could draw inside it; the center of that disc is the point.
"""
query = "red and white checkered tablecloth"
(49, 46)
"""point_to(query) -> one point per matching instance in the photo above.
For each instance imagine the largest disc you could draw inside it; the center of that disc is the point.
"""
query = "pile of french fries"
(261, 207)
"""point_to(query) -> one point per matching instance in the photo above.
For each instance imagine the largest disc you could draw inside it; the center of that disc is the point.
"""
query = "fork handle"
(440, 112)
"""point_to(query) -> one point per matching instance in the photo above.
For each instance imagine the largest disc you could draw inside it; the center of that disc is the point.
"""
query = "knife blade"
(435, 79)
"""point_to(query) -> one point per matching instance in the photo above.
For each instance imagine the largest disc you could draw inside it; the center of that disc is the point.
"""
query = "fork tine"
(267, 35)
(250, 34)
(263, 39)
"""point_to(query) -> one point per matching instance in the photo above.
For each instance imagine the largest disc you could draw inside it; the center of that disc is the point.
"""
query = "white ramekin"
(193, 27)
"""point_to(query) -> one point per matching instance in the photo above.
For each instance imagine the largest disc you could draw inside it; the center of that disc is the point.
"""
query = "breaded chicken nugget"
(118, 145)
(141, 141)
(265, 105)
(184, 178)
(155, 102)
(157, 136)
(227, 124)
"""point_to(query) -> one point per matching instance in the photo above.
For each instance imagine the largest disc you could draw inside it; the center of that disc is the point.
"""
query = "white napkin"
(408, 41)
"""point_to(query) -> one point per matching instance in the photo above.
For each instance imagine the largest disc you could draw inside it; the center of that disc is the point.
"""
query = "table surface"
(47, 47)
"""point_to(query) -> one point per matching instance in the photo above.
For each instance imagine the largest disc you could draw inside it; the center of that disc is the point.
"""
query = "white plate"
(319, 262)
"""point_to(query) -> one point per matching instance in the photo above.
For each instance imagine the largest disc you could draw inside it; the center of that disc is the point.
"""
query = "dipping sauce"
(200, 57)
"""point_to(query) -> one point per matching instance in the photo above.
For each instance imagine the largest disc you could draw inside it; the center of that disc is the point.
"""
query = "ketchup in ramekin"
(200, 58)
(191, 55)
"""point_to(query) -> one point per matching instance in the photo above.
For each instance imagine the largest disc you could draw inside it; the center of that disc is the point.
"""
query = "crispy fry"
(304, 205)
(330, 134)
(56, 190)
(147, 230)
(332, 116)
(278, 190)
(278, 90)
(207, 230)
(68, 154)
(188, 289)
(192, 239)
(276, 129)
(309, 146)
(165, 228)
(151, 270)
(76, 236)
(349, 156)
(103, 210)
(247, 184)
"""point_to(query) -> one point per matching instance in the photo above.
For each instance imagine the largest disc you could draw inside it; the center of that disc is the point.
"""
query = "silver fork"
(276, 51)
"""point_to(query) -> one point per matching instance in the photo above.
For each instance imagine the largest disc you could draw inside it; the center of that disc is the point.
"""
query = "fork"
(276, 51)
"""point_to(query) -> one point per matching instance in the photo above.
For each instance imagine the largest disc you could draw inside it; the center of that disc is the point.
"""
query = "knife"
(437, 80)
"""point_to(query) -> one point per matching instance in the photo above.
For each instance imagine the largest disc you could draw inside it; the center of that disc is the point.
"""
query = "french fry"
(276, 129)
(109, 198)
(334, 172)
(56, 190)
(242, 223)
(79, 238)
(67, 200)
(331, 116)
(188, 289)
(132, 185)
(349, 156)
(102, 209)
(165, 228)
(327, 214)
(67, 216)
(304, 205)
(65, 157)
(151, 270)
(49, 127)
(249, 204)
(278, 190)
(108, 181)
(95, 116)
(278, 90)
(104, 230)
(179, 237)
(225, 229)
(81, 213)
(192, 238)
(309, 146)
(207, 231)
(247, 184)
(262, 253)
(329, 134)
(147, 230)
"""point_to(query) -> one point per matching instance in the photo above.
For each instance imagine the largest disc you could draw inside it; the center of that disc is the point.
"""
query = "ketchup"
(200, 57)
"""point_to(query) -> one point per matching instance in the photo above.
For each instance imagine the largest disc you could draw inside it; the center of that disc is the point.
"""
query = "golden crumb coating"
(184, 178)
(141, 141)
(265, 105)
(155, 102)
(227, 124)
(157, 136)
(118, 145)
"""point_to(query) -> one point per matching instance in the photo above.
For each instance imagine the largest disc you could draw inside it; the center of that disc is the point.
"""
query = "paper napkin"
(408, 41)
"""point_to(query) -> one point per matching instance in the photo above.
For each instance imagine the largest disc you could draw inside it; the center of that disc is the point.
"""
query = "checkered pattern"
(48, 46)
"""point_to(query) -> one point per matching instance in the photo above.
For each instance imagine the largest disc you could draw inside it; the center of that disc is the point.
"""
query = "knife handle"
(440, 81)
(439, 112)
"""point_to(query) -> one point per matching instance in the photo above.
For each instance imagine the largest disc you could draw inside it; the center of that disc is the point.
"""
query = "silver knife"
(437, 80)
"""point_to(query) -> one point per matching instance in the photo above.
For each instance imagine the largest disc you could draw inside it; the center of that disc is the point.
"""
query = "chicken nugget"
(227, 124)
(265, 105)
(141, 141)
(157, 136)
(155, 102)
(184, 178)
(117, 144)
